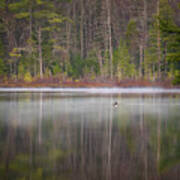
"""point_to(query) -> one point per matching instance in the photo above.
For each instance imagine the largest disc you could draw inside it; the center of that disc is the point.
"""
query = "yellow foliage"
(27, 77)
(77, 80)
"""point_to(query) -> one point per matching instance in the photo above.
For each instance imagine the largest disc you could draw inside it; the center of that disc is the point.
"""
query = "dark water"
(80, 136)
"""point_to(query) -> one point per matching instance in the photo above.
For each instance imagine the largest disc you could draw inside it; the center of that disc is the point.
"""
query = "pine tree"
(121, 60)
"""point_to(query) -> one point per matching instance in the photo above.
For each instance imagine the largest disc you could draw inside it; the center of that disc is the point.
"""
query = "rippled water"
(71, 134)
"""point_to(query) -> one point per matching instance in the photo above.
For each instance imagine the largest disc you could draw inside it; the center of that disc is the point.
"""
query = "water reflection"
(59, 136)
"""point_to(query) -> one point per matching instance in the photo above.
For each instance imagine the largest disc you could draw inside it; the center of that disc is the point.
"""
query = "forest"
(75, 40)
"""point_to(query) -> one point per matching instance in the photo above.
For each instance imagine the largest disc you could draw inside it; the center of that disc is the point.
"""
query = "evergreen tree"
(122, 65)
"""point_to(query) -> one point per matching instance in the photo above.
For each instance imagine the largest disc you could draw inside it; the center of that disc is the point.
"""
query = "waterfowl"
(115, 104)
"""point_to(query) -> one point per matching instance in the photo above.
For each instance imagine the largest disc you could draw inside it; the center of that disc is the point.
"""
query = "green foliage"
(21, 70)
(176, 80)
(22, 15)
(15, 53)
(131, 31)
(61, 39)
(38, 174)
(150, 53)
(77, 65)
(55, 154)
(42, 14)
(170, 31)
(2, 67)
(171, 34)
(150, 61)
(2, 4)
(121, 61)
(55, 18)
(2, 49)
(39, 2)
(132, 38)
(56, 69)
(166, 11)
(2, 55)
(91, 64)
(15, 6)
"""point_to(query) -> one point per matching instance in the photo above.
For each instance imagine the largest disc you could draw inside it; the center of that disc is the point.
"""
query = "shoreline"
(89, 84)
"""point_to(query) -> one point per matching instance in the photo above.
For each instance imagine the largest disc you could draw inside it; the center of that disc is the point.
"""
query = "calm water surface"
(81, 136)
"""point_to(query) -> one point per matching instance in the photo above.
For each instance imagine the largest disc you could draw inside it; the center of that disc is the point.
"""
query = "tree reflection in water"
(55, 136)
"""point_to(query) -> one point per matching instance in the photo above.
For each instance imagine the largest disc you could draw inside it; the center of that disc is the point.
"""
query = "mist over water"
(78, 134)
(95, 90)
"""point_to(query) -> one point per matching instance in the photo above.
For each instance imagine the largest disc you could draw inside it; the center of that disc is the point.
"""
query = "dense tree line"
(116, 39)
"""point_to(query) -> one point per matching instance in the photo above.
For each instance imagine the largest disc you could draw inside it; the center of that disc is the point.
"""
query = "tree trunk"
(158, 41)
(143, 40)
(30, 22)
(68, 39)
(82, 29)
(109, 37)
(165, 62)
(140, 60)
(100, 63)
(145, 33)
(40, 52)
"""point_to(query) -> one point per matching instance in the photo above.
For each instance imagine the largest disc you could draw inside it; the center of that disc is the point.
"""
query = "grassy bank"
(56, 82)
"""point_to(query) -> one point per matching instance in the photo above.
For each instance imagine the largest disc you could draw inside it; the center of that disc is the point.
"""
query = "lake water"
(68, 134)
